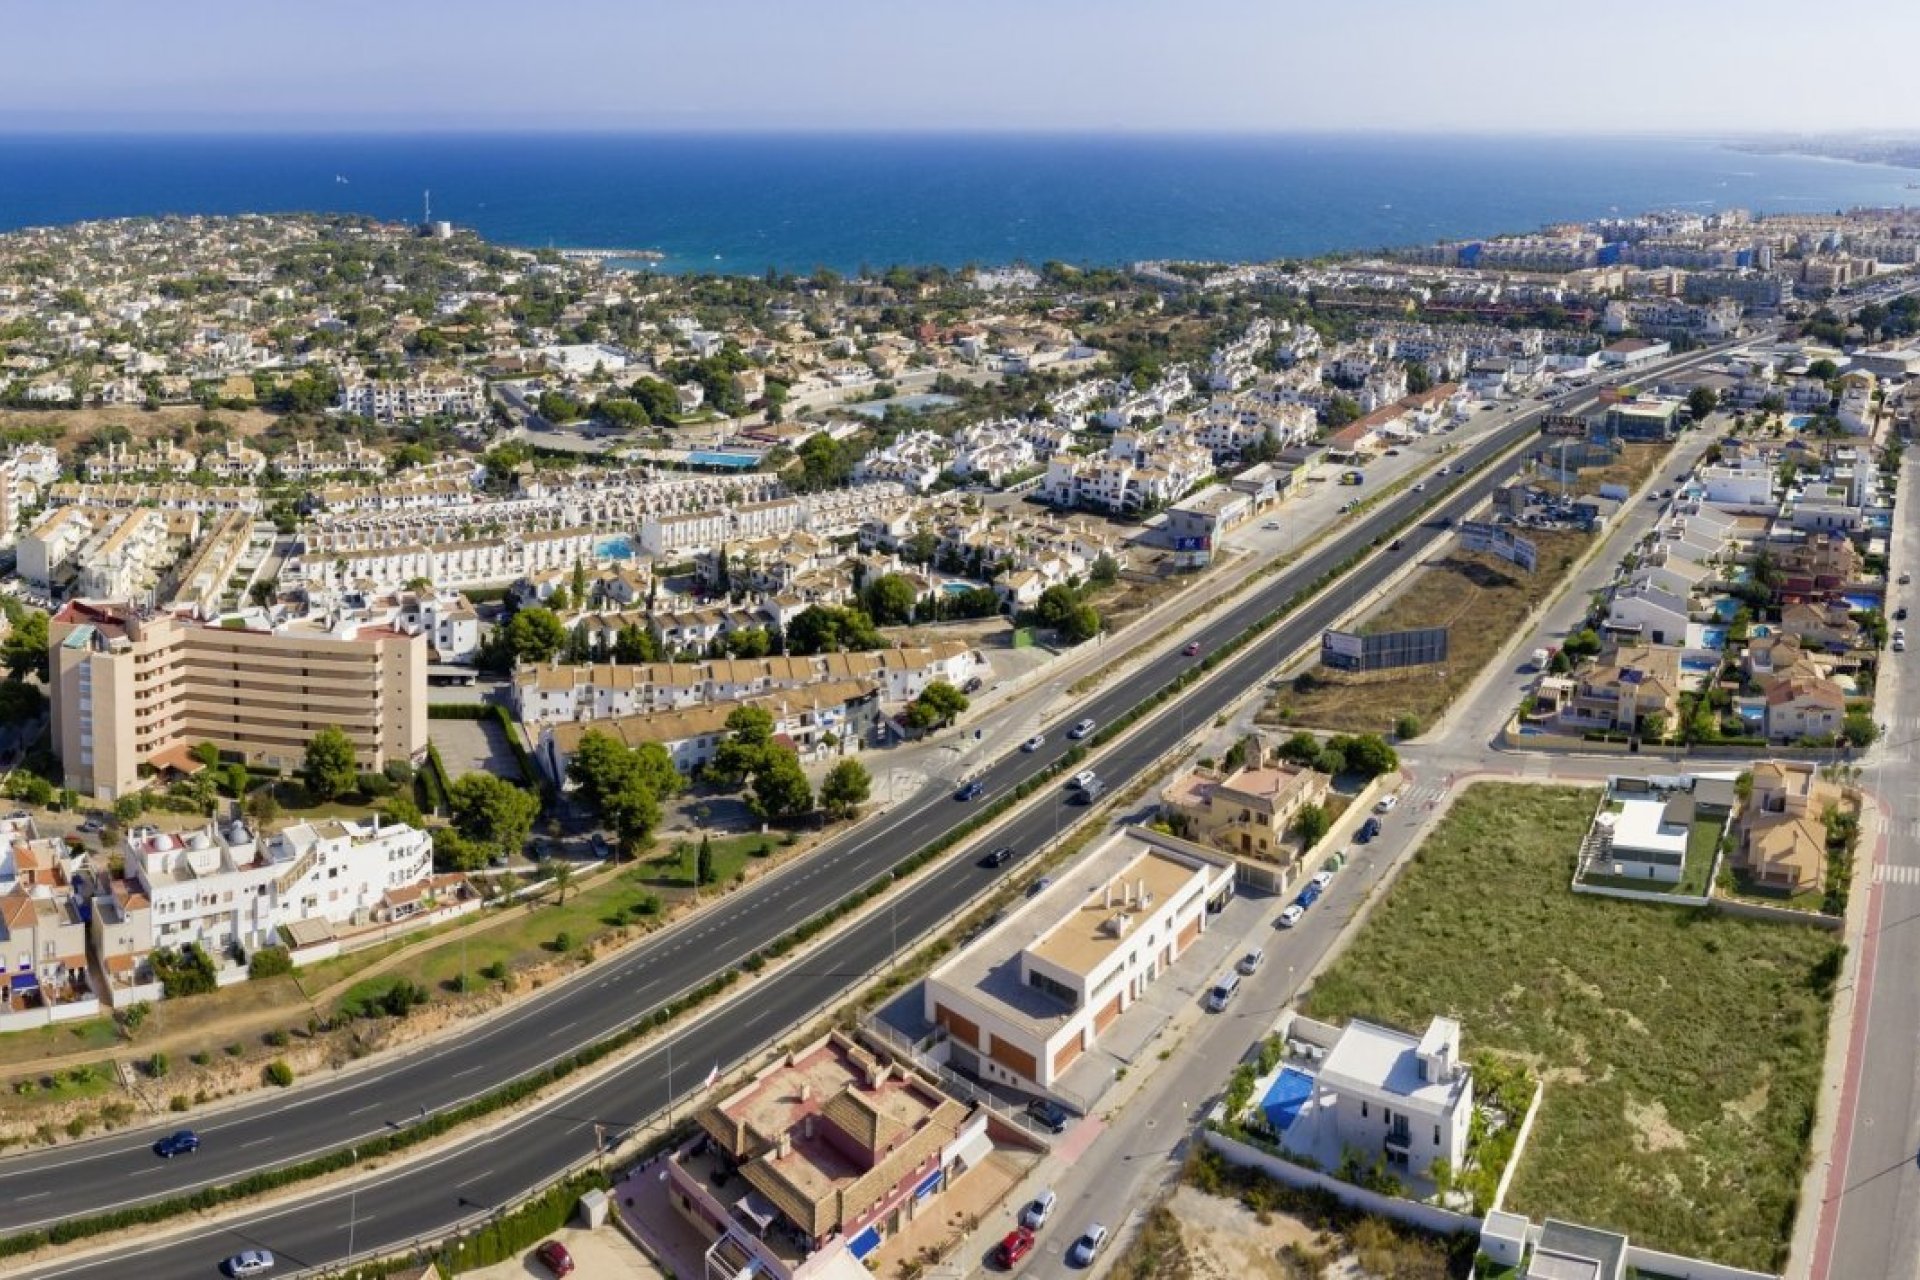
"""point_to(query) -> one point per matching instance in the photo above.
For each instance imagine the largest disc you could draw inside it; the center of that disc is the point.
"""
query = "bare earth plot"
(1480, 598)
(1680, 1049)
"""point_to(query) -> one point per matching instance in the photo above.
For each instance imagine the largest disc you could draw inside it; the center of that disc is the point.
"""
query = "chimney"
(785, 1148)
(806, 1093)
(806, 1127)
(1106, 900)
(1146, 899)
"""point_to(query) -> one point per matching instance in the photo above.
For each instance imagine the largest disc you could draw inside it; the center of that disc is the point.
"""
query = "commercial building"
(1022, 1003)
(133, 691)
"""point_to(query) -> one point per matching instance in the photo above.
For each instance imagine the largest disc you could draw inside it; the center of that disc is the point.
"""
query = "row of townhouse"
(226, 889)
(1139, 471)
(1232, 364)
(1230, 424)
(415, 399)
(43, 931)
(308, 461)
(1156, 402)
(915, 459)
(449, 566)
(803, 717)
(407, 494)
(1672, 319)
(169, 497)
(993, 451)
(118, 461)
(832, 513)
(557, 692)
(200, 582)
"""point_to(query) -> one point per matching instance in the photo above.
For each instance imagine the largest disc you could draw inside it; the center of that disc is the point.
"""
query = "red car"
(1017, 1245)
(554, 1257)
(1192, 649)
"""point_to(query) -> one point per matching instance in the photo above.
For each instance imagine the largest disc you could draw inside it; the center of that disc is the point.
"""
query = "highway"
(417, 1199)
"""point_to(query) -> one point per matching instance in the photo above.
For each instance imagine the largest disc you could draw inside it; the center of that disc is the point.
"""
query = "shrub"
(278, 1073)
(200, 1057)
(276, 1038)
(235, 1049)
(157, 1066)
(180, 1102)
(562, 943)
(270, 962)
(495, 972)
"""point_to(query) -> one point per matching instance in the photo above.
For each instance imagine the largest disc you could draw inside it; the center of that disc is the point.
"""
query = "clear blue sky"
(1181, 65)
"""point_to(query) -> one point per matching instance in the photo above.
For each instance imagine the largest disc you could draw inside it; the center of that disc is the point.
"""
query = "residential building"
(134, 690)
(1023, 1002)
(1377, 1091)
(1805, 707)
(1782, 833)
(1249, 811)
(1625, 685)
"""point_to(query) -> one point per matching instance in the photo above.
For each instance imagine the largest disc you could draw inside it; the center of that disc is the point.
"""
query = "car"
(1250, 963)
(1386, 804)
(1368, 830)
(1089, 1244)
(1083, 779)
(1049, 1115)
(1900, 646)
(1421, 487)
(1039, 886)
(554, 1257)
(1905, 578)
(1308, 895)
(973, 686)
(1396, 545)
(93, 824)
(183, 1143)
(598, 843)
(972, 791)
(1899, 633)
(1223, 993)
(1034, 743)
(1393, 453)
(1442, 471)
(1081, 730)
(248, 1262)
(1292, 915)
(1271, 526)
(1900, 614)
(1321, 879)
(999, 857)
(1038, 1210)
(1017, 1245)
(1192, 649)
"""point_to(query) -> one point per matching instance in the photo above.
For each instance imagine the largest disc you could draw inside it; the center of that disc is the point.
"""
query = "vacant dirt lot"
(1480, 598)
(1226, 1240)
(71, 426)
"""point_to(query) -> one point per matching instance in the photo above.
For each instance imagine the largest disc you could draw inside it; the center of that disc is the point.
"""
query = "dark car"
(1049, 1115)
(185, 1142)
(999, 857)
(554, 1257)
(972, 791)
(1307, 896)
(1396, 545)
(1368, 830)
(1900, 614)
(973, 685)
(1039, 886)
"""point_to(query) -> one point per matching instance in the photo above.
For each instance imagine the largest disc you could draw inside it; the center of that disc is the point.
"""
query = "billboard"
(1201, 543)
(1349, 651)
(1497, 539)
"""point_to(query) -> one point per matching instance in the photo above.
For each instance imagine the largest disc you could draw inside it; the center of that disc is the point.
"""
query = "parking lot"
(470, 746)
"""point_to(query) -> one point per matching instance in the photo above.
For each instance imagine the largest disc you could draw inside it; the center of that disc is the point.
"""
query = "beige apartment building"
(134, 691)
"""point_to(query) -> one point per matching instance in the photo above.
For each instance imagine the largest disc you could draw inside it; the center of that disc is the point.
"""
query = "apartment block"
(133, 690)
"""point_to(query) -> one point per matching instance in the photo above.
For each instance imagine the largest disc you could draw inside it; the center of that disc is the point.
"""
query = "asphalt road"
(421, 1198)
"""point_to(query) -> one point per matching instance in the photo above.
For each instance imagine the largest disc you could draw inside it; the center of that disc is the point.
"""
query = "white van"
(1223, 993)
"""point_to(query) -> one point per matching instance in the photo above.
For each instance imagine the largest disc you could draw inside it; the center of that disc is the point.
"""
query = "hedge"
(458, 711)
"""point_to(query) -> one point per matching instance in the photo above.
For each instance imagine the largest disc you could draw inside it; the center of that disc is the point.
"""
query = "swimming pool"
(1285, 1096)
(1705, 666)
(714, 458)
(1713, 637)
(1724, 607)
(1760, 629)
(956, 588)
(1799, 421)
(1862, 599)
(618, 547)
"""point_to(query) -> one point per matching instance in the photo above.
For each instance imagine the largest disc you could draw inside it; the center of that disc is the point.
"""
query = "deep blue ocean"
(740, 203)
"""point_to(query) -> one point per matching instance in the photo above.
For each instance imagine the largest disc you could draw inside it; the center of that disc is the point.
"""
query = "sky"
(1262, 66)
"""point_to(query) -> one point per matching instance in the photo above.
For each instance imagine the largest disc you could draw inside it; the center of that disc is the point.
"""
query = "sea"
(746, 203)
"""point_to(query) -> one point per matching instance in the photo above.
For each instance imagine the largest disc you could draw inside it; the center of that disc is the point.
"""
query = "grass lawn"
(674, 867)
(1681, 1049)
(1480, 598)
(1738, 884)
(21, 1049)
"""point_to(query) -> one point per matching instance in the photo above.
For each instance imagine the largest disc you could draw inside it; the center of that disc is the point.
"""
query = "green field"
(1681, 1049)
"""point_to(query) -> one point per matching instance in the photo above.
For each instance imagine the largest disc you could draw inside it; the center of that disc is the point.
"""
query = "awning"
(864, 1243)
(929, 1184)
(25, 982)
(757, 1211)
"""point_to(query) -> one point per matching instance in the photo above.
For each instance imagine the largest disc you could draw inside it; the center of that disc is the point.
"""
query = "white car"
(1271, 526)
(1080, 730)
(1081, 1255)
(1322, 879)
(1386, 804)
(1292, 915)
(1034, 743)
(248, 1262)
(1421, 487)
(1038, 1210)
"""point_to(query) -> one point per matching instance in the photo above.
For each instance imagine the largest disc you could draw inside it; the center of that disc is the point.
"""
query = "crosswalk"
(1895, 873)
(1421, 794)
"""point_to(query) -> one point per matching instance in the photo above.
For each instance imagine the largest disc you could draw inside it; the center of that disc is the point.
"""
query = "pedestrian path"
(1895, 873)
(1420, 795)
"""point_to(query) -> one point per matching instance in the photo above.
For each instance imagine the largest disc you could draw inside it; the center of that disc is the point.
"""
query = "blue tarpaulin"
(864, 1243)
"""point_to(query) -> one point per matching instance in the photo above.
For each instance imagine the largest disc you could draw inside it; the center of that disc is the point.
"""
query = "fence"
(1427, 1217)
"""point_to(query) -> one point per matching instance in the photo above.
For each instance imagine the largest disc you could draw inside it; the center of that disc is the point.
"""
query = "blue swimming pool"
(1713, 637)
(714, 458)
(618, 547)
(1288, 1093)
(1724, 607)
(1703, 665)
(1799, 421)
(1862, 599)
(956, 588)
(1760, 629)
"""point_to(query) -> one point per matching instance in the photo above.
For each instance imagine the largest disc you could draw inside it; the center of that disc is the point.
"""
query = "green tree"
(1310, 823)
(889, 599)
(831, 629)
(20, 703)
(559, 874)
(1702, 401)
(845, 788)
(328, 770)
(780, 787)
(703, 862)
(1105, 571)
(1367, 755)
(749, 738)
(1860, 729)
(493, 812)
(535, 635)
(938, 703)
(24, 651)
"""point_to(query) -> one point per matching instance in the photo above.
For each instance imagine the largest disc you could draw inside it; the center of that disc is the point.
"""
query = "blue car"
(972, 791)
(182, 1143)
(1307, 896)
(1368, 830)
